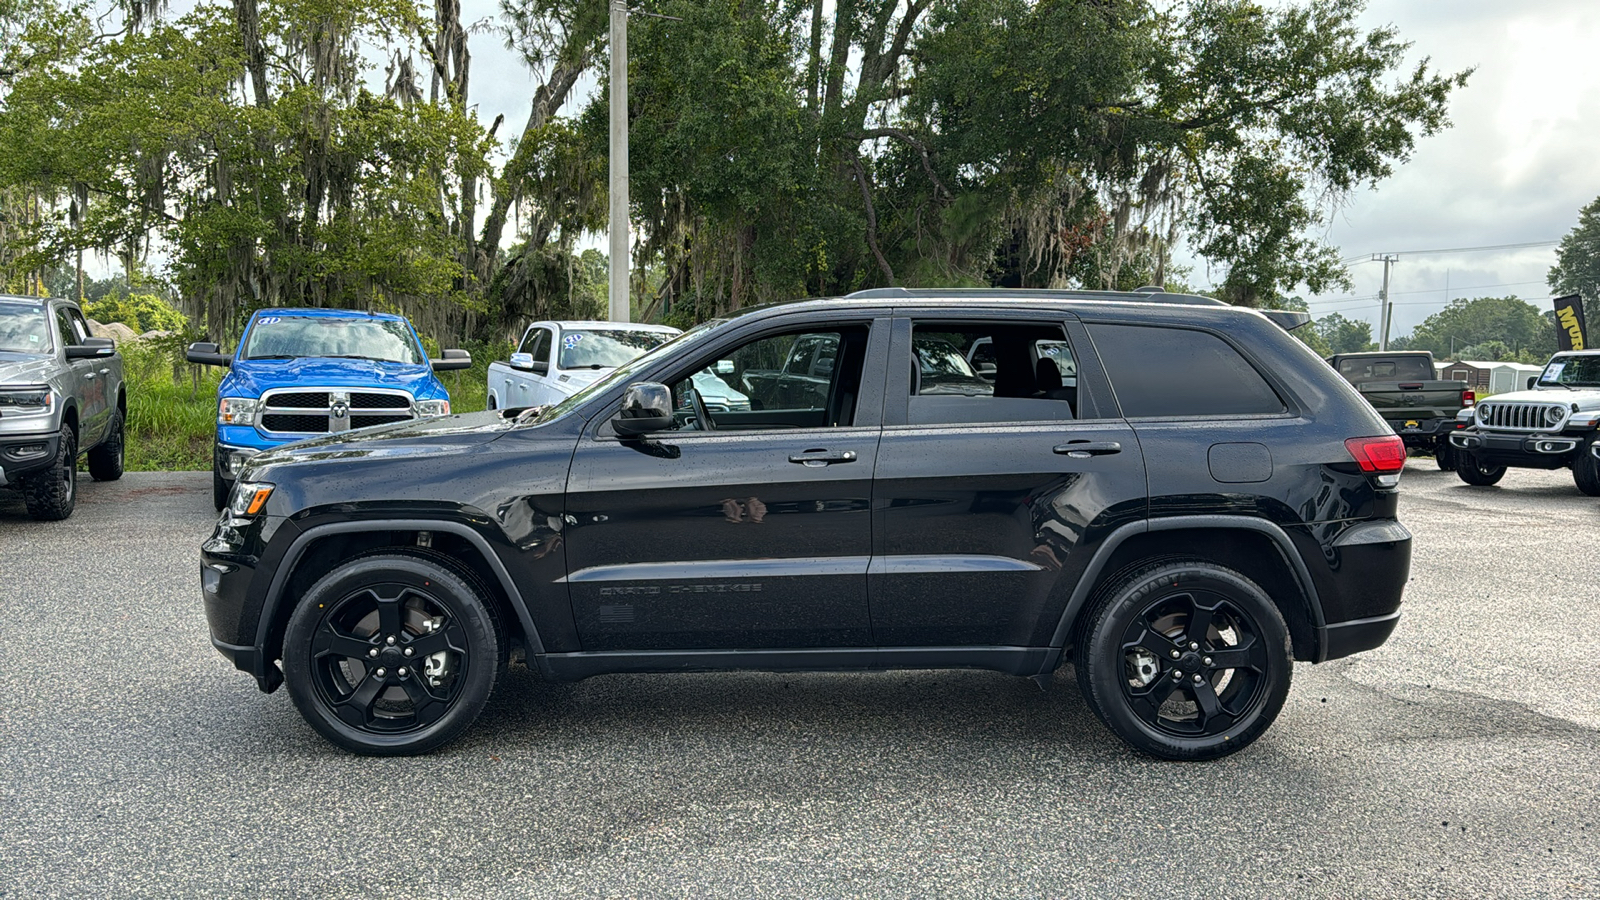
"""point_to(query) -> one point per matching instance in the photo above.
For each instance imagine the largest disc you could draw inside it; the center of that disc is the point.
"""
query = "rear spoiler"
(1287, 319)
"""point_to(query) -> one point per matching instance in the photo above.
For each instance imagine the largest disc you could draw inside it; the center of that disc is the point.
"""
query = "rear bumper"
(1346, 638)
(1370, 564)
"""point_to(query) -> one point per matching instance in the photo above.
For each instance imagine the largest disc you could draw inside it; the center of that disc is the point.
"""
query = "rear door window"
(989, 373)
(1159, 372)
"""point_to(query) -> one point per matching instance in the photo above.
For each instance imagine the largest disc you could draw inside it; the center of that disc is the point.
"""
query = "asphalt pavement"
(1459, 760)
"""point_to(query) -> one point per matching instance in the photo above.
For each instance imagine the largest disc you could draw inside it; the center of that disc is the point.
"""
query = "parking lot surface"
(1457, 760)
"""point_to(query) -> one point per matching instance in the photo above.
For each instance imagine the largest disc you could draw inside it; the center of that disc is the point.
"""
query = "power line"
(1373, 298)
(1371, 257)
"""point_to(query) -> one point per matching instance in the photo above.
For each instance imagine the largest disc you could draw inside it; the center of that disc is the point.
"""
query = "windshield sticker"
(1552, 372)
(571, 340)
(269, 320)
(33, 339)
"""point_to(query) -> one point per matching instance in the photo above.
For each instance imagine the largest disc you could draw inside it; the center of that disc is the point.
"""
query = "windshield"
(627, 370)
(23, 329)
(1572, 371)
(292, 337)
(1404, 368)
(597, 349)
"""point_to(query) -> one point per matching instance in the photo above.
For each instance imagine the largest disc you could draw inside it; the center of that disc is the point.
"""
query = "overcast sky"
(1518, 164)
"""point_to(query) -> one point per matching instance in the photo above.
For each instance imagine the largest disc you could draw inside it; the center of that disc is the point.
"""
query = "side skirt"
(1010, 660)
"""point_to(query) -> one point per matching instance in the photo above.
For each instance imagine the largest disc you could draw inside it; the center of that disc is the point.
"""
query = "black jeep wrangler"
(1199, 503)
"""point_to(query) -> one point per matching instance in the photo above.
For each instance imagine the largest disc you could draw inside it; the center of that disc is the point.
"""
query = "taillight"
(1378, 455)
(1468, 398)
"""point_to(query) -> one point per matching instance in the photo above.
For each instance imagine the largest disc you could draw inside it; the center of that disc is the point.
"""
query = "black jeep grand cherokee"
(1173, 494)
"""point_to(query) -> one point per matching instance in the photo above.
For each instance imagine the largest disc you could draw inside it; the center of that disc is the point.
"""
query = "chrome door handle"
(817, 458)
(1086, 449)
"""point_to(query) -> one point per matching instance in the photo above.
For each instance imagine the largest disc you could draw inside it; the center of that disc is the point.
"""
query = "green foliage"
(1521, 328)
(141, 312)
(1342, 335)
(1577, 268)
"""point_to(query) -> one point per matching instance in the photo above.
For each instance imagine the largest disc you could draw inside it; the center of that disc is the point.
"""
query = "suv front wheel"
(1475, 473)
(392, 654)
(1185, 660)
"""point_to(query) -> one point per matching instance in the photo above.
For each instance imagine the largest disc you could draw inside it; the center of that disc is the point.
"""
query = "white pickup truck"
(555, 360)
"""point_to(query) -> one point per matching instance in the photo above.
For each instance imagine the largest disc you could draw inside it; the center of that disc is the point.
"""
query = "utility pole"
(1385, 308)
(619, 308)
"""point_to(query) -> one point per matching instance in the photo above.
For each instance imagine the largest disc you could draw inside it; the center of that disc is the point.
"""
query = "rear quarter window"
(1165, 372)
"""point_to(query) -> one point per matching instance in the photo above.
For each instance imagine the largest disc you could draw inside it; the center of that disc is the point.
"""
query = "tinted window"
(540, 351)
(1406, 368)
(64, 329)
(806, 380)
(1179, 372)
(990, 372)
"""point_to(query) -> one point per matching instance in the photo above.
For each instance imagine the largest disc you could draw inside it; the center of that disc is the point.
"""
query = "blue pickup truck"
(301, 373)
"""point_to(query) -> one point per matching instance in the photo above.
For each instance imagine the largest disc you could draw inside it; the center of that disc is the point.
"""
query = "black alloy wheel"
(105, 460)
(1476, 473)
(1586, 468)
(392, 654)
(1185, 660)
(52, 495)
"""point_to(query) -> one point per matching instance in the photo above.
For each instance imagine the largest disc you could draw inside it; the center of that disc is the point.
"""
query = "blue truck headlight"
(433, 407)
(237, 410)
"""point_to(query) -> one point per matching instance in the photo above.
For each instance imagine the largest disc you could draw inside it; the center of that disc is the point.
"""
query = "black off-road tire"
(1444, 455)
(1151, 612)
(219, 489)
(1586, 468)
(105, 460)
(51, 495)
(1477, 475)
(337, 641)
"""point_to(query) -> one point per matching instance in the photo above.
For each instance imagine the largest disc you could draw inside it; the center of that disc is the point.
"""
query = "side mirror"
(1531, 381)
(724, 367)
(524, 361)
(986, 370)
(92, 348)
(452, 359)
(207, 354)
(646, 407)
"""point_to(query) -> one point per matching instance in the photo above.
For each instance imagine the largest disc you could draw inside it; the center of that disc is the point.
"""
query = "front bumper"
(1520, 451)
(231, 596)
(24, 454)
(236, 444)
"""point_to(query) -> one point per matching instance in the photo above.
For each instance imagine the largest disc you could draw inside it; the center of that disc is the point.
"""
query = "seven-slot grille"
(319, 411)
(1517, 416)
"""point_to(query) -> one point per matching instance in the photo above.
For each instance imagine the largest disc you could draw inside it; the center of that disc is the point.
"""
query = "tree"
(1519, 325)
(1344, 335)
(1577, 268)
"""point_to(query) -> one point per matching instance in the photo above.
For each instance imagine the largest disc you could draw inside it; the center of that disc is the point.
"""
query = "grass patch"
(172, 403)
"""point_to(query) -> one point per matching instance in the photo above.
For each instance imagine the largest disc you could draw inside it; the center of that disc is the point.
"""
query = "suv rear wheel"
(391, 654)
(1185, 660)
(1476, 473)
(105, 460)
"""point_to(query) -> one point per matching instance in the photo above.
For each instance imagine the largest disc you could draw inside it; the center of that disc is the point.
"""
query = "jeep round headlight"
(1483, 412)
(1553, 415)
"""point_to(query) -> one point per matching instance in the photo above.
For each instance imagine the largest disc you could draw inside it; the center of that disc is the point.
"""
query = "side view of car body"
(1208, 504)
(61, 396)
(299, 373)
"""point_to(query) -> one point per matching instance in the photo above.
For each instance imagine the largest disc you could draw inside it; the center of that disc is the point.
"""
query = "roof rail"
(1287, 319)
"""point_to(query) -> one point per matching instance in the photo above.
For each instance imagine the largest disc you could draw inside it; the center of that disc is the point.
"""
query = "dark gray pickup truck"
(61, 394)
(1404, 388)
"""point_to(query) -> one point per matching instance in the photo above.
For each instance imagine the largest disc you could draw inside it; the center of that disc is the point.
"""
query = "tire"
(219, 489)
(1444, 456)
(492, 404)
(337, 641)
(1586, 469)
(51, 495)
(105, 460)
(1473, 473)
(1151, 699)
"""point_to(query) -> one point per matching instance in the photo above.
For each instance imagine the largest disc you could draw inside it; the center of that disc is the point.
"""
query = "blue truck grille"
(325, 410)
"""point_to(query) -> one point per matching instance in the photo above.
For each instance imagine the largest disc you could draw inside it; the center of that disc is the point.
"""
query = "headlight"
(1483, 413)
(1552, 416)
(433, 407)
(249, 498)
(237, 410)
(29, 401)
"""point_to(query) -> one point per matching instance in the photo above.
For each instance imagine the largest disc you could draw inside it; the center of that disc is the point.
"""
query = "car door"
(87, 386)
(754, 535)
(987, 495)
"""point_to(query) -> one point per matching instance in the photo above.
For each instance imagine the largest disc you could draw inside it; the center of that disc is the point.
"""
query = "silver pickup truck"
(61, 395)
